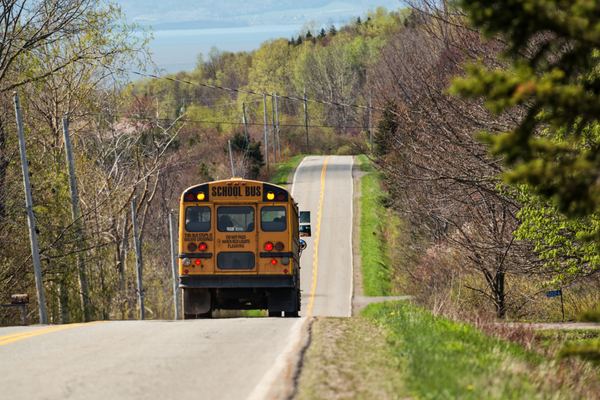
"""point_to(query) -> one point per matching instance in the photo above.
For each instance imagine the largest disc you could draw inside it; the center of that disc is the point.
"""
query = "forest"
(486, 154)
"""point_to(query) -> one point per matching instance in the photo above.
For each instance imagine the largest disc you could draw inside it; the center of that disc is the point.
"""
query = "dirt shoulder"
(357, 175)
(538, 326)
(349, 358)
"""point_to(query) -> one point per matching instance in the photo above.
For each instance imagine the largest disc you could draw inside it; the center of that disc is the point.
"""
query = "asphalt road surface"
(323, 186)
(192, 359)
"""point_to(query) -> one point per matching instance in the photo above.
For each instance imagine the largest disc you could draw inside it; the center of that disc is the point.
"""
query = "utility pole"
(266, 130)
(274, 136)
(35, 252)
(81, 268)
(370, 128)
(245, 123)
(306, 119)
(231, 157)
(174, 267)
(138, 262)
(278, 131)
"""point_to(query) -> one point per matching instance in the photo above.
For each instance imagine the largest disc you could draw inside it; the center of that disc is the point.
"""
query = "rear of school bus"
(239, 248)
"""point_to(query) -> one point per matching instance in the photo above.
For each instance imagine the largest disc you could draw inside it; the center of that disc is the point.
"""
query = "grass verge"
(282, 170)
(444, 359)
(374, 263)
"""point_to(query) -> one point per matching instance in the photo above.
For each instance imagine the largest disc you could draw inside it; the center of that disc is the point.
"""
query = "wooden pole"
(35, 252)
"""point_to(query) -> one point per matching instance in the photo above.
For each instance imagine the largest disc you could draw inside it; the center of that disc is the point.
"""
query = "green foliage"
(253, 153)
(591, 316)
(562, 242)
(552, 57)
(374, 262)
(443, 359)
(589, 351)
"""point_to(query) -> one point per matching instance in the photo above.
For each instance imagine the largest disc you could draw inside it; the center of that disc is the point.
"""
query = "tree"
(322, 34)
(552, 51)
(254, 159)
(332, 30)
(439, 177)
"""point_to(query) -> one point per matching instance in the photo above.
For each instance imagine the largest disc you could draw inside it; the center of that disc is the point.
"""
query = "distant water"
(177, 50)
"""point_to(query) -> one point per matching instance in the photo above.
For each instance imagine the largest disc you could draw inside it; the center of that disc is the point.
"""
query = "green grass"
(283, 170)
(374, 263)
(443, 359)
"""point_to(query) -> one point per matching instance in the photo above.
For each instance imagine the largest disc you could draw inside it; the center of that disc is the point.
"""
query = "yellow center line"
(317, 234)
(24, 335)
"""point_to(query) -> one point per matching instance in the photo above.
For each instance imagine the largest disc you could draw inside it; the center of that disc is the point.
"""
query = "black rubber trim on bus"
(272, 254)
(236, 281)
(195, 255)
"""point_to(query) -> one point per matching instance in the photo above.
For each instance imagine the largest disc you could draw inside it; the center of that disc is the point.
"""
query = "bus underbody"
(204, 294)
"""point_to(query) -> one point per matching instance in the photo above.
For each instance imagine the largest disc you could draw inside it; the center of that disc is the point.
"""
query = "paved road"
(194, 359)
(323, 186)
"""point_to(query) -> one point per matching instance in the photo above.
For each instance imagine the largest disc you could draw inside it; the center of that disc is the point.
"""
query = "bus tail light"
(200, 196)
(198, 262)
(187, 271)
(202, 247)
(268, 246)
(190, 197)
(186, 262)
(280, 196)
(273, 261)
(285, 271)
(192, 247)
(270, 196)
(279, 246)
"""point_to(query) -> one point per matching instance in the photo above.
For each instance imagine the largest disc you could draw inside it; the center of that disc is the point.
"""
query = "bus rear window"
(235, 219)
(197, 219)
(272, 219)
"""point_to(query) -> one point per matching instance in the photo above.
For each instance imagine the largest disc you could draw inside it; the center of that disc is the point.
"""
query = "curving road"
(201, 359)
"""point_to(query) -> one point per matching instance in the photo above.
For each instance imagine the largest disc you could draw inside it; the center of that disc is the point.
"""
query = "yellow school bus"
(239, 248)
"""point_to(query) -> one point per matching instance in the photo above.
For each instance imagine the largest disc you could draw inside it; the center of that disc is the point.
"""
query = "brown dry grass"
(349, 358)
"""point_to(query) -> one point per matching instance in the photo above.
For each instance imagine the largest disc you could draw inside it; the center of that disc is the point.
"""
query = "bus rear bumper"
(236, 281)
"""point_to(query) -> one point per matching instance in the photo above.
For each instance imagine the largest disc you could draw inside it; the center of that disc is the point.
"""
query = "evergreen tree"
(556, 146)
(387, 128)
(358, 21)
(322, 33)
(332, 30)
(299, 41)
(553, 50)
(254, 153)
(308, 35)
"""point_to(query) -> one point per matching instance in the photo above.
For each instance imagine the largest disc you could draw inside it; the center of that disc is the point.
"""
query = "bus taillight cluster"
(193, 247)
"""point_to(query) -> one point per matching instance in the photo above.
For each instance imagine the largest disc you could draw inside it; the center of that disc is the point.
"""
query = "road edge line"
(294, 177)
(351, 238)
(280, 380)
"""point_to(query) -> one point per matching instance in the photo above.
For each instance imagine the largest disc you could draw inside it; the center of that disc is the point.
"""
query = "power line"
(241, 123)
(236, 90)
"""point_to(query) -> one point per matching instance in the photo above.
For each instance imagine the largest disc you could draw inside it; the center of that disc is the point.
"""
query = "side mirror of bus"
(302, 245)
(305, 217)
(304, 230)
